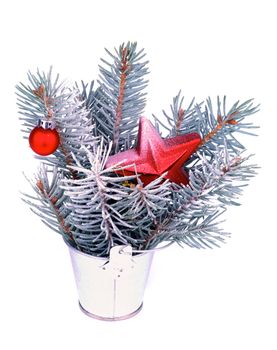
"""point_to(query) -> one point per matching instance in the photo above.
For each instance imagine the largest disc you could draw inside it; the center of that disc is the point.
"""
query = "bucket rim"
(75, 250)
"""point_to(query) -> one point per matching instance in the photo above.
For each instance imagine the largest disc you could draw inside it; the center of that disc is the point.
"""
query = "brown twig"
(221, 123)
(68, 160)
(41, 94)
(156, 231)
(181, 114)
(118, 116)
(160, 226)
(53, 202)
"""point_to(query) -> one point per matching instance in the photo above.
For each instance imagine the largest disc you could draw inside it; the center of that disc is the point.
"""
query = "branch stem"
(52, 201)
(41, 94)
(120, 100)
(217, 128)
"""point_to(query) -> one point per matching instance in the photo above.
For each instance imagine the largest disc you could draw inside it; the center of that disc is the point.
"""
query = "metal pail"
(111, 288)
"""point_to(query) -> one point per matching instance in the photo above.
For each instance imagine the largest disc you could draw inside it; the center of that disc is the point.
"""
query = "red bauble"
(154, 156)
(44, 141)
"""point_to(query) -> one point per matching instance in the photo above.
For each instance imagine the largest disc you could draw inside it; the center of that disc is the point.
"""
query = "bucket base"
(125, 317)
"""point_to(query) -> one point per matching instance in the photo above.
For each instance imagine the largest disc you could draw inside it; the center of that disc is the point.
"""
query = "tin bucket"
(111, 288)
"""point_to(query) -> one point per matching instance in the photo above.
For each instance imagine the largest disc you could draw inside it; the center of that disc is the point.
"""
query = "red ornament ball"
(44, 141)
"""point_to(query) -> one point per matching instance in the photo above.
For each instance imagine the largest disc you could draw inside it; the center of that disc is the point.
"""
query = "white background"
(215, 299)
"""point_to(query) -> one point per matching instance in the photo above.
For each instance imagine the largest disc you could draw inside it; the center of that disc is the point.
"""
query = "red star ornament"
(154, 156)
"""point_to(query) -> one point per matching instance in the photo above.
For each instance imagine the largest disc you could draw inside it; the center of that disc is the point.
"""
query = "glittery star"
(154, 155)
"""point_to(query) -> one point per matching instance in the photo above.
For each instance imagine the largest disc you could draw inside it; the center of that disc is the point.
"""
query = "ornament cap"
(46, 124)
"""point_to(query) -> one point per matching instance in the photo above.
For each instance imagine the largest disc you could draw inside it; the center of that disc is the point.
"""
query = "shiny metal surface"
(46, 124)
(111, 289)
(121, 318)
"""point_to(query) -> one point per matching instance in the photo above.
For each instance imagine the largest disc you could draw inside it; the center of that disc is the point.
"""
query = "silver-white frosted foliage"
(69, 112)
(95, 208)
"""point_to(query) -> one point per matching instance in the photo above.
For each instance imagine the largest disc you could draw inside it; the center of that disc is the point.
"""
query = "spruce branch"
(94, 207)
(150, 201)
(213, 186)
(125, 66)
(86, 94)
(49, 201)
(95, 204)
(41, 95)
(176, 122)
(47, 98)
(216, 129)
(220, 126)
(120, 100)
(104, 212)
(146, 206)
(87, 97)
